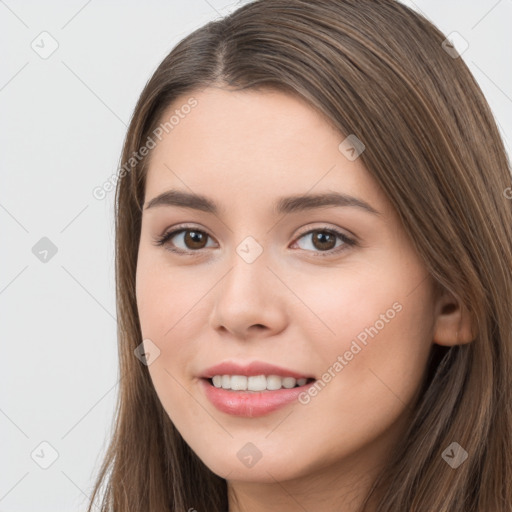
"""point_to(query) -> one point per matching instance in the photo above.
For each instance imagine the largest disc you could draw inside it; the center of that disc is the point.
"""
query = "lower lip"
(251, 404)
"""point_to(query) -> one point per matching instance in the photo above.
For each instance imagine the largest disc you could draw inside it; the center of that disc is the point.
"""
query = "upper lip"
(251, 369)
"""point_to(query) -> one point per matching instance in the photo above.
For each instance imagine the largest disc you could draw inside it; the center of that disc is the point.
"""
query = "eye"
(193, 240)
(324, 240)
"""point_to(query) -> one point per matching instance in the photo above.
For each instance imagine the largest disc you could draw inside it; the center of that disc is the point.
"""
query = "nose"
(249, 301)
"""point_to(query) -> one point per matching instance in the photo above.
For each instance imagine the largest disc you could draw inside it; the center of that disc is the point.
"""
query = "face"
(331, 292)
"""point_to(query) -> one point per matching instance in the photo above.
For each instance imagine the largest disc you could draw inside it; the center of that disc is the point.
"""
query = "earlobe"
(453, 322)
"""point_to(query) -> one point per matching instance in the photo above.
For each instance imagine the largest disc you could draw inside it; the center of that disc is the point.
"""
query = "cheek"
(383, 336)
(168, 304)
(162, 307)
(378, 321)
(375, 360)
(167, 297)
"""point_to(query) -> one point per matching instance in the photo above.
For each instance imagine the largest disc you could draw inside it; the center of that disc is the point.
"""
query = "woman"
(313, 271)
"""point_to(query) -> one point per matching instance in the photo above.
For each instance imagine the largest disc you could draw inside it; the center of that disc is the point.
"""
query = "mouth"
(251, 389)
(252, 403)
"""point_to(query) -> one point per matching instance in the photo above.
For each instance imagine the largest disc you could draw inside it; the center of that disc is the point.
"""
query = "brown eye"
(325, 240)
(184, 240)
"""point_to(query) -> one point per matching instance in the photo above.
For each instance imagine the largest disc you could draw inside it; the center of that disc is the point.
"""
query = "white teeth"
(226, 382)
(274, 382)
(289, 382)
(238, 382)
(256, 383)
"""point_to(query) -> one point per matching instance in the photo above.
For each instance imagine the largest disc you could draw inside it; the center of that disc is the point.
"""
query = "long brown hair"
(378, 70)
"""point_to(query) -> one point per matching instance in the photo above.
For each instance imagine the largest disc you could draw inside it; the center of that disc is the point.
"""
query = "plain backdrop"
(63, 120)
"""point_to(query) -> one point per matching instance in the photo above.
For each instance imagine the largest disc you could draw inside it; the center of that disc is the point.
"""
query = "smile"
(249, 403)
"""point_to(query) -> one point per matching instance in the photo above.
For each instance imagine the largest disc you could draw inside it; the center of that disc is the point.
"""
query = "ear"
(453, 322)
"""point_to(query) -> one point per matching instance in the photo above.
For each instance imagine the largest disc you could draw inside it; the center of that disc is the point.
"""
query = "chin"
(266, 469)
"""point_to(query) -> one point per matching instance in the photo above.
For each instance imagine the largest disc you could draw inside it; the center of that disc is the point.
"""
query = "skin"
(290, 307)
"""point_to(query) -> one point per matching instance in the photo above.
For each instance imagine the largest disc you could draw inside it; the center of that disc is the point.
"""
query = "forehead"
(267, 119)
(244, 146)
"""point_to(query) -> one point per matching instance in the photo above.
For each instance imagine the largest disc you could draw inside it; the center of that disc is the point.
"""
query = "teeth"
(226, 382)
(238, 382)
(274, 382)
(256, 383)
(289, 382)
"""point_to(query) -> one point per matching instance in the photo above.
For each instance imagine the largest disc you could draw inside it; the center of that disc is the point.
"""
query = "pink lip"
(251, 369)
(250, 404)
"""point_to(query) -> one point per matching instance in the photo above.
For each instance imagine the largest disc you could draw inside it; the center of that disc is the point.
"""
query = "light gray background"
(63, 122)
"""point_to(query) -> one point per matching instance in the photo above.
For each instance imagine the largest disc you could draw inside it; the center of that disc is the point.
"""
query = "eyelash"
(347, 242)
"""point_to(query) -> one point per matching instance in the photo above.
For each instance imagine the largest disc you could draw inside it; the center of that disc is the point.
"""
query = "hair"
(378, 70)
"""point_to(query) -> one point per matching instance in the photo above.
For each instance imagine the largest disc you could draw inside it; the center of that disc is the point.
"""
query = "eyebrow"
(283, 205)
